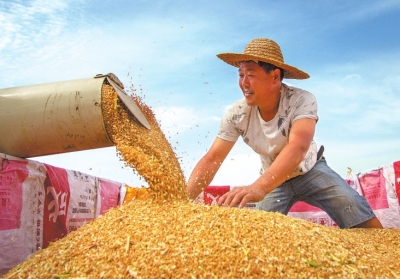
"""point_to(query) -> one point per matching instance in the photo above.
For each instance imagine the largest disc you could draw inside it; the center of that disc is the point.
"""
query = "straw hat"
(264, 50)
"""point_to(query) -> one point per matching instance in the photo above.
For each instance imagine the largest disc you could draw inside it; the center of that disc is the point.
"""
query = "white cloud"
(175, 120)
(102, 162)
(353, 76)
(373, 9)
(359, 96)
(42, 33)
(321, 17)
(362, 155)
(240, 168)
(25, 24)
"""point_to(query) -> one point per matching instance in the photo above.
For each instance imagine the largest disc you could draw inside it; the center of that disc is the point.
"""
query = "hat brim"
(234, 59)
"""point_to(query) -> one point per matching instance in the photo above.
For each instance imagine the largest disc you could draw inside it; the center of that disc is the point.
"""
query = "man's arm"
(207, 167)
(300, 138)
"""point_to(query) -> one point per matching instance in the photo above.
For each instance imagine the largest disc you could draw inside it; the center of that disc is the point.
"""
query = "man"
(278, 122)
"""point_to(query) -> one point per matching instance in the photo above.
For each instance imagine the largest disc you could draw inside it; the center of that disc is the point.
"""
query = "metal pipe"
(57, 117)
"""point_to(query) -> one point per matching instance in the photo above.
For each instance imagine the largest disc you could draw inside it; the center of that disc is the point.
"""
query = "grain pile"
(168, 237)
(177, 239)
(146, 151)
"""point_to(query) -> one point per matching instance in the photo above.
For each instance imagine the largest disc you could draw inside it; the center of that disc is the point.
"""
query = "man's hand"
(241, 196)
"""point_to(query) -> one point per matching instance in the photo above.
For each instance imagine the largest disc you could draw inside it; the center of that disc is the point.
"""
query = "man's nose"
(244, 81)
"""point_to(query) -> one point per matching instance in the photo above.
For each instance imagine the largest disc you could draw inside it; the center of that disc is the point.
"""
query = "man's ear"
(276, 73)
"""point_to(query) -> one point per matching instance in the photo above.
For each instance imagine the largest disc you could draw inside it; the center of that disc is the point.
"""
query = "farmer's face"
(257, 86)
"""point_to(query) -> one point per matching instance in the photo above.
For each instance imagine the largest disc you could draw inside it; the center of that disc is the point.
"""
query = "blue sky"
(167, 51)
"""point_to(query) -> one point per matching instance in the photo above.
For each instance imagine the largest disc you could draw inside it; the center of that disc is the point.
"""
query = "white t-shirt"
(269, 138)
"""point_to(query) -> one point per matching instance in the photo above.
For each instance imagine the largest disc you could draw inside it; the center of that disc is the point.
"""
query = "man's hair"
(269, 67)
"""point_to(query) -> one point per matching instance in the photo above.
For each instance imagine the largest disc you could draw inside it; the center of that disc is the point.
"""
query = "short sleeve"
(306, 106)
(228, 127)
